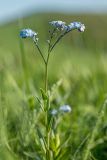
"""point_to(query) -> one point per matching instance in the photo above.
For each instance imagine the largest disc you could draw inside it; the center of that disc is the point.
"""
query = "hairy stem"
(46, 77)
(58, 39)
(40, 52)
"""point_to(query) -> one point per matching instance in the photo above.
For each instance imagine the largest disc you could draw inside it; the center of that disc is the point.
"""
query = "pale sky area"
(12, 9)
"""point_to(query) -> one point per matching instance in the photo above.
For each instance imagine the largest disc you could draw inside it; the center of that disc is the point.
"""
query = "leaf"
(42, 140)
(44, 95)
(31, 155)
(55, 142)
(40, 103)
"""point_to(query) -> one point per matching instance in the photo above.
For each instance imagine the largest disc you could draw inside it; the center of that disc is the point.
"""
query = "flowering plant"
(50, 142)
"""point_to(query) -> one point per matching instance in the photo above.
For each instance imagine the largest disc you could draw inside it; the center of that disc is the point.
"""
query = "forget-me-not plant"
(50, 142)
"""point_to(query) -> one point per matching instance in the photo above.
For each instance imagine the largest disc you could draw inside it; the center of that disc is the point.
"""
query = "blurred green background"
(79, 60)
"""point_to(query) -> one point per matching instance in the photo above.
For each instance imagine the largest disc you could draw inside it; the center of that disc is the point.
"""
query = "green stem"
(46, 70)
(58, 39)
(48, 157)
(46, 77)
(94, 132)
(40, 52)
(47, 61)
(47, 111)
(46, 66)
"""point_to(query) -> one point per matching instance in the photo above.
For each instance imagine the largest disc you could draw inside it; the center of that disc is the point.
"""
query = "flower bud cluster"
(58, 24)
(74, 25)
(27, 33)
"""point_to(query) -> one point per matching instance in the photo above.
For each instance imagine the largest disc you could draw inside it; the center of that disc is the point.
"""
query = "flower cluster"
(62, 109)
(27, 33)
(54, 112)
(65, 108)
(58, 24)
(74, 25)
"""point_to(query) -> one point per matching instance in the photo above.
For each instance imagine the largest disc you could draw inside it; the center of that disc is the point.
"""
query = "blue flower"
(76, 25)
(54, 112)
(58, 24)
(65, 108)
(27, 33)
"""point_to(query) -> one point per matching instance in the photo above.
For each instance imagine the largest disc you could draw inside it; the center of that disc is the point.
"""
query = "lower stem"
(48, 146)
(46, 77)
(48, 157)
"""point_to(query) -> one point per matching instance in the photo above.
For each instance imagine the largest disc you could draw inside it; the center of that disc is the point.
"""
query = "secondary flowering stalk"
(25, 33)
(74, 25)
(40, 51)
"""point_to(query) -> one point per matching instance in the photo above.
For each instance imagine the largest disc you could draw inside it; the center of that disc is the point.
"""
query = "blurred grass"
(80, 60)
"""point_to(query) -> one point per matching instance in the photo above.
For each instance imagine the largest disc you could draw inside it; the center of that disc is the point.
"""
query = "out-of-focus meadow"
(79, 61)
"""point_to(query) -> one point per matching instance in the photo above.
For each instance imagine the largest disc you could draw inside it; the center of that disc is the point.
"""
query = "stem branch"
(40, 52)
(58, 39)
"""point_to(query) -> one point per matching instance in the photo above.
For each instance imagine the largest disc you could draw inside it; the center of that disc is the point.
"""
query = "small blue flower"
(58, 24)
(27, 33)
(54, 112)
(65, 108)
(76, 25)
